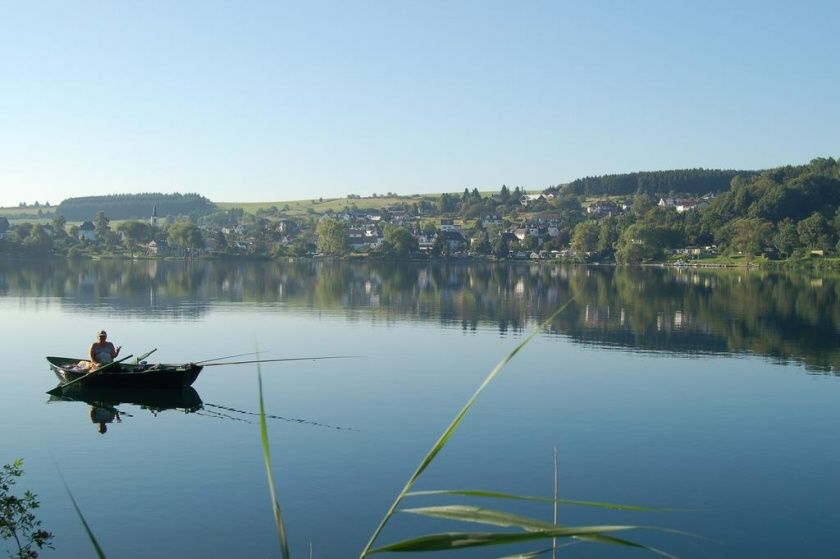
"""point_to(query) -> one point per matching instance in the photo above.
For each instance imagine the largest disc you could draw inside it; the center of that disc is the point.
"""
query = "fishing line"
(287, 419)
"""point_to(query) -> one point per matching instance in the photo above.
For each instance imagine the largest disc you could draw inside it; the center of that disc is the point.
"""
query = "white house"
(448, 225)
(87, 231)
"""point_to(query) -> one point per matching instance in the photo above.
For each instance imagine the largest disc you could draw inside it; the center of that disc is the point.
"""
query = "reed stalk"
(450, 430)
(275, 504)
(99, 552)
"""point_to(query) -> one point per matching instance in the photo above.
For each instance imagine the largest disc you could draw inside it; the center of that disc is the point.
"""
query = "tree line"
(134, 206)
(686, 181)
(781, 213)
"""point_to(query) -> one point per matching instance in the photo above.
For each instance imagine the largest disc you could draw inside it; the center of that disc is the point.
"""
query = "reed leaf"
(500, 495)
(462, 540)
(453, 426)
(278, 515)
(528, 555)
(537, 553)
(99, 552)
(467, 513)
(612, 540)
(480, 515)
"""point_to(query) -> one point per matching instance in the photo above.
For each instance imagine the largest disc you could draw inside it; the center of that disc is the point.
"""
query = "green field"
(28, 213)
(327, 204)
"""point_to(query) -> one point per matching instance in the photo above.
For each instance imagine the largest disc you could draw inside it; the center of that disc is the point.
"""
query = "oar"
(145, 355)
(226, 357)
(59, 389)
(288, 359)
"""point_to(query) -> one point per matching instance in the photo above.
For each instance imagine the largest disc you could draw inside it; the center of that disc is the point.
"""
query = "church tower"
(153, 221)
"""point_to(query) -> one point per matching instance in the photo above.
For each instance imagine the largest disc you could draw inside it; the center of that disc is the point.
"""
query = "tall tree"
(186, 235)
(398, 242)
(447, 203)
(332, 237)
(585, 237)
(133, 232)
(747, 235)
(813, 232)
(58, 225)
(504, 194)
(786, 238)
(102, 224)
(38, 240)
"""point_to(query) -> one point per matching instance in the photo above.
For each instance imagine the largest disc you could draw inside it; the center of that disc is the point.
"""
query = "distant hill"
(683, 181)
(134, 206)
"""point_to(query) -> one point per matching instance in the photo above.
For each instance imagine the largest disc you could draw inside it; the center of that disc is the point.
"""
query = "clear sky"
(260, 101)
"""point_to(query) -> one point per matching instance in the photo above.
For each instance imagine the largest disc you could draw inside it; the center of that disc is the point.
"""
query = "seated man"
(103, 351)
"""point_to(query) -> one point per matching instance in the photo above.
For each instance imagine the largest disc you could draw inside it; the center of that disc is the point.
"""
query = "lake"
(712, 392)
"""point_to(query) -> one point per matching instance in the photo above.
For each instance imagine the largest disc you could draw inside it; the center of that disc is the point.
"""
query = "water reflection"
(103, 403)
(782, 316)
(107, 406)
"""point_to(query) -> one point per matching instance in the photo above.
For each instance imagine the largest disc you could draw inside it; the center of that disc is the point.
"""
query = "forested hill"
(134, 206)
(683, 181)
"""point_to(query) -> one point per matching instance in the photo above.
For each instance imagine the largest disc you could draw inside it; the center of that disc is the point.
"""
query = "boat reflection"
(104, 402)
(107, 405)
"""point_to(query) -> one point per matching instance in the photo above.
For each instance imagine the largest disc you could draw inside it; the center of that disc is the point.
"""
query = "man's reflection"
(104, 414)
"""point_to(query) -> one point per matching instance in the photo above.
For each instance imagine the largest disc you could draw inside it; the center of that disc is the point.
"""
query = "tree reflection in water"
(781, 316)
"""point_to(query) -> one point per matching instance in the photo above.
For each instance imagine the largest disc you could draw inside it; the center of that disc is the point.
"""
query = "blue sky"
(250, 101)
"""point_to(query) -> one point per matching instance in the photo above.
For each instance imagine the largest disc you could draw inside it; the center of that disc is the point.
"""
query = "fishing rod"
(286, 359)
(226, 357)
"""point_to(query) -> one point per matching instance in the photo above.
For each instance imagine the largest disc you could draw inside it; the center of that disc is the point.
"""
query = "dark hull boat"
(125, 375)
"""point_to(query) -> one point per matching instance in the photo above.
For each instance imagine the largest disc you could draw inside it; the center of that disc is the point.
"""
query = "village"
(527, 227)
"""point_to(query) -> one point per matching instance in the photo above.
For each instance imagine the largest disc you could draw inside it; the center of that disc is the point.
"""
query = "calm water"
(714, 392)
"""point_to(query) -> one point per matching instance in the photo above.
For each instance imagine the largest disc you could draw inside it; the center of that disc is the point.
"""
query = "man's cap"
(103, 333)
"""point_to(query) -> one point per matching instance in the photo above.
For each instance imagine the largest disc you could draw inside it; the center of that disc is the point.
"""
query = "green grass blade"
(91, 537)
(461, 540)
(528, 555)
(539, 552)
(500, 495)
(500, 518)
(278, 516)
(479, 515)
(612, 540)
(450, 430)
(468, 513)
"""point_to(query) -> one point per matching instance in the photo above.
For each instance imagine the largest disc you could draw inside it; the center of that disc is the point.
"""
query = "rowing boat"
(127, 375)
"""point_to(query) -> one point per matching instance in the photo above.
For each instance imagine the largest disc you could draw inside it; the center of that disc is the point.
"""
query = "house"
(603, 207)
(688, 205)
(425, 243)
(363, 238)
(287, 226)
(683, 204)
(239, 231)
(87, 232)
(526, 199)
(158, 247)
(508, 237)
(454, 239)
(448, 225)
(491, 219)
(356, 238)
